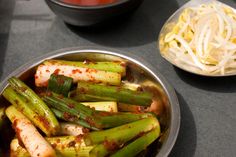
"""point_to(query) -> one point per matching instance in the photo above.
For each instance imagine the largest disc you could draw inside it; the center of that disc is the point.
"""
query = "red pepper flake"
(88, 70)
(44, 121)
(82, 90)
(36, 77)
(43, 84)
(56, 72)
(71, 144)
(85, 130)
(79, 138)
(49, 93)
(111, 145)
(71, 105)
(68, 116)
(90, 121)
(92, 79)
(76, 71)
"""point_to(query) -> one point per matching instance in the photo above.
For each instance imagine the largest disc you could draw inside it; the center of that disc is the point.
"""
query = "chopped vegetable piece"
(71, 129)
(139, 144)
(60, 84)
(131, 86)
(111, 140)
(130, 108)
(114, 93)
(88, 97)
(72, 118)
(37, 105)
(35, 144)
(121, 134)
(21, 104)
(65, 146)
(101, 149)
(116, 66)
(97, 119)
(109, 106)
(44, 72)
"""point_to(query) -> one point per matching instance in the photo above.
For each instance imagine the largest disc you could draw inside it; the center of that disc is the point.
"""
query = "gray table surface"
(208, 126)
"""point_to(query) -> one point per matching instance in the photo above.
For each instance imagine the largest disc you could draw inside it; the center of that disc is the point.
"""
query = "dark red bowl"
(90, 15)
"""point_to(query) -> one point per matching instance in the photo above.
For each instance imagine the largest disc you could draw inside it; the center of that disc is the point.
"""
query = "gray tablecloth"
(208, 127)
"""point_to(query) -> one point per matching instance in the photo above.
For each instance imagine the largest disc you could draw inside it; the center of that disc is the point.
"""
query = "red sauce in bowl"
(88, 2)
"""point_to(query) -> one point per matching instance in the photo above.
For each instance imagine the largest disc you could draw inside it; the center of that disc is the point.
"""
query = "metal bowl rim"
(173, 100)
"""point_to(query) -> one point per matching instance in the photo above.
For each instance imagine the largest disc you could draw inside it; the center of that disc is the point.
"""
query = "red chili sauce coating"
(89, 2)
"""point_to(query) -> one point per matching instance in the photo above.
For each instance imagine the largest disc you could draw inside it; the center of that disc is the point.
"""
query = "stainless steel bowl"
(138, 67)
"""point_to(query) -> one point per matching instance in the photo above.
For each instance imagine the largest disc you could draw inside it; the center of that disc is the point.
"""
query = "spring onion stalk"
(139, 144)
(36, 104)
(116, 66)
(19, 102)
(72, 118)
(88, 97)
(60, 84)
(121, 134)
(97, 119)
(100, 150)
(109, 106)
(110, 141)
(71, 129)
(2, 116)
(69, 146)
(130, 108)
(115, 93)
(44, 72)
(35, 144)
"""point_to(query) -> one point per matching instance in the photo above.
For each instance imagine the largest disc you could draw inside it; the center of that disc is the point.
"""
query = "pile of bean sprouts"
(204, 37)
